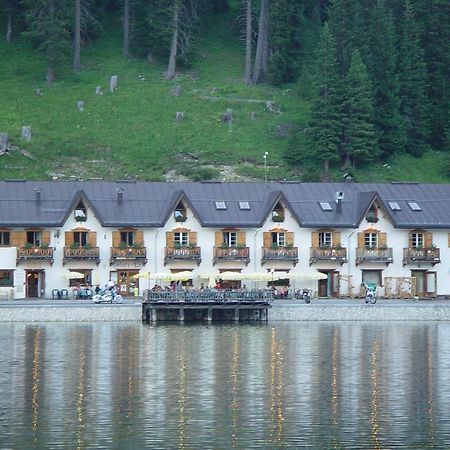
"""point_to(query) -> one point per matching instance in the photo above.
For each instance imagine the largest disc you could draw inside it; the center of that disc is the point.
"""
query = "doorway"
(329, 286)
(127, 283)
(423, 283)
(35, 285)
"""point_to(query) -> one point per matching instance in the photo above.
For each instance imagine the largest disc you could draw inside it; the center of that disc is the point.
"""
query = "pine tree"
(382, 66)
(359, 133)
(412, 74)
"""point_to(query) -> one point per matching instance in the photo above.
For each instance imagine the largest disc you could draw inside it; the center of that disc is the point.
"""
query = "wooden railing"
(81, 254)
(182, 253)
(231, 254)
(430, 255)
(379, 255)
(280, 254)
(327, 254)
(128, 253)
(35, 253)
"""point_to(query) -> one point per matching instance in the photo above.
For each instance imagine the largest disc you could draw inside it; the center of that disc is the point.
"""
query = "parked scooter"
(371, 293)
(304, 294)
(107, 296)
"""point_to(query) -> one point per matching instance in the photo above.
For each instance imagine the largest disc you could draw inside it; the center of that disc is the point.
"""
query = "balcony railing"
(182, 254)
(280, 254)
(428, 255)
(231, 254)
(81, 254)
(130, 254)
(35, 254)
(377, 255)
(327, 254)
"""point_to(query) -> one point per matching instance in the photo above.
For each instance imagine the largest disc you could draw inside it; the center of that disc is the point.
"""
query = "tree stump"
(26, 133)
(99, 90)
(228, 116)
(175, 91)
(4, 143)
(113, 83)
(179, 116)
(80, 106)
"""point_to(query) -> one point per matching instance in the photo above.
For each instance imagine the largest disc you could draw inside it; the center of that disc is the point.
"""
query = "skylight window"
(244, 205)
(325, 206)
(414, 206)
(394, 206)
(220, 205)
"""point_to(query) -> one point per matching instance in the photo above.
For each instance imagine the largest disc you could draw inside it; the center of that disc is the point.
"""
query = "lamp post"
(265, 165)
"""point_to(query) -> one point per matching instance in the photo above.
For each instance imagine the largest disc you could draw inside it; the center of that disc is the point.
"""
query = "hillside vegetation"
(133, 133)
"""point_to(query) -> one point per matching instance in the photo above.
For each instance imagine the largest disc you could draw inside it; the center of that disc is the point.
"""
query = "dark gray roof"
(150, 204)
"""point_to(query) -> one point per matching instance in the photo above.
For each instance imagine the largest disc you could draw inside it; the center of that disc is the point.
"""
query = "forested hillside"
(225, 89)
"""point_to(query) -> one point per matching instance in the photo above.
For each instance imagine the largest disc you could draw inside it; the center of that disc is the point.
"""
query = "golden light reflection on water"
(334, 386)
(35, 380)
(235, 388)
(81, 394)
(430, 388)
(276, 387)
(182, 397)
(374, 395)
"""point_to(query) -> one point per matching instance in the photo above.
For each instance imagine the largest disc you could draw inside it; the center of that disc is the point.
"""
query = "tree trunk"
(77, 36)
(174, 47)
(262, 46)
(248, 44)
(50, 68)
(9, 26)
(126, 28)
(326, 166)
(50, 74)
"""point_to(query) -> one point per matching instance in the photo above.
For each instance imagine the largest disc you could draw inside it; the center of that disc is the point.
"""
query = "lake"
(270, 386)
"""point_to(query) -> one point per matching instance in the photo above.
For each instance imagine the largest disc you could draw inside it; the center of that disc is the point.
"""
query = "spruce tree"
(412, 73)
(360, 142)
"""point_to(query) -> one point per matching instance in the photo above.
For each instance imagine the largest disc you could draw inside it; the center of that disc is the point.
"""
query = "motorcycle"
(107, 296)
(304, 294)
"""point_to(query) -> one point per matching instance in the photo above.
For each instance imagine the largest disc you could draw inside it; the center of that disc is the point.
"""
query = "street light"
(265, 165)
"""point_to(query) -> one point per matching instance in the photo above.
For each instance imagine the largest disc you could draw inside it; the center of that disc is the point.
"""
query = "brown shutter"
(68, 239)
(115, 238)
(219, 238)
(410, 239)
(139, 237)
(18, 238)
(360, 240)
(449, 239)
(266, 239)
(193, 238)
(336, 238)
(289, 238)
(46, 237)
(241, 238)
(382, 240)
(428, 240)
(92, 238)
(169, 239)
(315, 239)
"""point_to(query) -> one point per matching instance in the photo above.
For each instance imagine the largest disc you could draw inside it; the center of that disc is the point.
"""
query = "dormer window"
(80, 213)
(372, 214)
(180, 213)
(278, 213)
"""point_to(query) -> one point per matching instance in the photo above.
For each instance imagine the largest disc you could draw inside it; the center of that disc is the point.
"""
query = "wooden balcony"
(374, 255)
(327, 254)
(231, 254)
(81, 254)
(418, 255)
(130, 255)
(289, 254)
(35, 254)
(182, 254)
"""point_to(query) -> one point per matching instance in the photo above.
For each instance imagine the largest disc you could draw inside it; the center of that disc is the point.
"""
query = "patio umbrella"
(145, 275)
(75, 275)
(181, 276)
(230, 276)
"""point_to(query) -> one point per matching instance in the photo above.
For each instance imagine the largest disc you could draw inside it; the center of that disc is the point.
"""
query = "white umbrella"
(141, 275)
(230, 276)
(308, 276)
(75, 275)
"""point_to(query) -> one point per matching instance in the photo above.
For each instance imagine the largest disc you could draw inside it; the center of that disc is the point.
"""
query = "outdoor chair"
(64, 293)
(56, 293)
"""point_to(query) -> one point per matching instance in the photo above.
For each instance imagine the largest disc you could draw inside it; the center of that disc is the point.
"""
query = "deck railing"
(380, 255)
(412, 255)
(231, 254)
(128, 253)
(182, 253)
(35, 253)
(280, 254)
(327, 254)
(82, 254)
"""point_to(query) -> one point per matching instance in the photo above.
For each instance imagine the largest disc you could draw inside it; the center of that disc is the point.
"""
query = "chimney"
(339, 196)
(38, 194)
(119, 196)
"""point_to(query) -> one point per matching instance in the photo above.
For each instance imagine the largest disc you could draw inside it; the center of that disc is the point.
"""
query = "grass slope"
(133, 132)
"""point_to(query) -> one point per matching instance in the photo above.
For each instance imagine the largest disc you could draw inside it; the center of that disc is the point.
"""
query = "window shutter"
(115, 238)
(193, 238)
(266, 239)
(336, 238)
(46, 237)
(289, 238)
(92, 238)
(219, 238)
(18, 238)
(382, 240)
(241, 237)
(360, 240)
(428, 240)
(169, 239)
(315, 239)
(449, 239)
(68, 238)
(410, 242)
(139, 237)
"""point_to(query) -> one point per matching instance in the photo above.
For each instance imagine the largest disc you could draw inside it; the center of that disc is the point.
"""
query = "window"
(86, 281)
(278, 239)
(181, 239)
(325, 206)
(414, 206)
(80, 239)
(230, 238)
(372, 277)
(417, 240)
(220, 205)
(80, 212)
(244, 205)
(370, 240)
(6, 278)
(4, 238)
(180, 213)
(371, 215)
(34, 238)
(325, 239)
(394, 206)
(127, 238)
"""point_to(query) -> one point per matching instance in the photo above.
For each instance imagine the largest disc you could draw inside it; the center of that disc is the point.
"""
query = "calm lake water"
(275, 386)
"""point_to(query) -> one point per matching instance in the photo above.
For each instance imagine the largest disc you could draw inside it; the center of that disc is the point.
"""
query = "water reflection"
(288, 385)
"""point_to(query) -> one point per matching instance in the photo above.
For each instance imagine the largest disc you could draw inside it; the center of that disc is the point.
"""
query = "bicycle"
(107, 296)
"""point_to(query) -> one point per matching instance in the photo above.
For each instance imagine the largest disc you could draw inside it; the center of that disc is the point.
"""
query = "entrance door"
(35, 283)
(127, 283)
(424, 283)
(326, 286)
